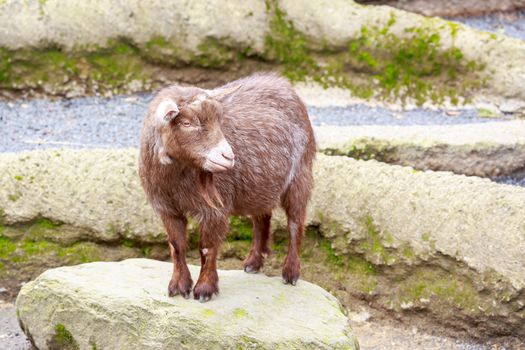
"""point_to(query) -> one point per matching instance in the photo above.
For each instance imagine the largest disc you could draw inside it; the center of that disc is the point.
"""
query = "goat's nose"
(227, 151)
(228, 154)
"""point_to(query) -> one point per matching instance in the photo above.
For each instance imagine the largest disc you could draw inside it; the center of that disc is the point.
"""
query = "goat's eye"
(186, 123)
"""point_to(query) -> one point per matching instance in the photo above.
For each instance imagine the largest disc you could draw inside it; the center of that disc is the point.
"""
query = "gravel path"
(511, 24)
(93, 122)
(11, 336)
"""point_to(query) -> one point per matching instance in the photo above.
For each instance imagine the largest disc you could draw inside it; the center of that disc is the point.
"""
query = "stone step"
(125, 305)
(480, 149)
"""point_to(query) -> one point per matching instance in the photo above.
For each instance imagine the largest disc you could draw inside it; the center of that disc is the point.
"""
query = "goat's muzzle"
(219, 158)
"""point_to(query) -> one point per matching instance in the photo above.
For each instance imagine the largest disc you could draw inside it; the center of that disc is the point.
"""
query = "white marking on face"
(219, 158)
(166, 111)
(204, 251)
(164, 157)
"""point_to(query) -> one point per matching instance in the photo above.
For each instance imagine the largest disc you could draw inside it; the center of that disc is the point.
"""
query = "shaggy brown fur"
(267, 126)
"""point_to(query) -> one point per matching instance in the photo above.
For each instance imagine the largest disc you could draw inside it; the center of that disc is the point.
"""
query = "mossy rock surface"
(482, 149)
(374, 52)
(125, 305)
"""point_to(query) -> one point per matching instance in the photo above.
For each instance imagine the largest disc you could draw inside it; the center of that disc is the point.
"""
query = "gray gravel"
(517, 180)
(362, 114)
(511, 24)
(94, 122)
(11, 336)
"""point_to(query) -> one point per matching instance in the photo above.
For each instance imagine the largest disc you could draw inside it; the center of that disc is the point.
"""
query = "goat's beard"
(208, 191)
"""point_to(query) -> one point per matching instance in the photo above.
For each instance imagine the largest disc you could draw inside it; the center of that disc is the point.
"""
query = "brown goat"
(241, 149)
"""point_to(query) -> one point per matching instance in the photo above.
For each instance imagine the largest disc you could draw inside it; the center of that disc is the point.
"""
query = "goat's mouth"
(218, 164)
(219, 158)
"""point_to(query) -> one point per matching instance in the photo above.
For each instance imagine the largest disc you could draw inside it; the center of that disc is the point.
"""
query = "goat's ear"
(166, 111)
(223, 92)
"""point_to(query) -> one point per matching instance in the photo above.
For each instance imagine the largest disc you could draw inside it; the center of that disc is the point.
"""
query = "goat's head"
(191, 131)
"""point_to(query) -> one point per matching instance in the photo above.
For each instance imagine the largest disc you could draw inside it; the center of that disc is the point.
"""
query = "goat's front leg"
(211, 233)
(181, 279)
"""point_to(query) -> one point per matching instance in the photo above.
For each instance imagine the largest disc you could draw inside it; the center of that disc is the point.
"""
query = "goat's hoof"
(251, 269)
(203, 292)
(204, 298)
(292, 281)
(180, 287)
(290, 275)
(253, 263)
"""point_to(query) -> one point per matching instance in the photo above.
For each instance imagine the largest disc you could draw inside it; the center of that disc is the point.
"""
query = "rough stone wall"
(309, 38)
(450, 244)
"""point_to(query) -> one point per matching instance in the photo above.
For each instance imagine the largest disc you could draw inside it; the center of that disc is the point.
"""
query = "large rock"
(207, 33)
(447, 243)
(125, 305)
(482, 149)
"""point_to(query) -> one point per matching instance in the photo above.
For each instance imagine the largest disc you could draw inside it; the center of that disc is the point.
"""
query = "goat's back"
(269, 130)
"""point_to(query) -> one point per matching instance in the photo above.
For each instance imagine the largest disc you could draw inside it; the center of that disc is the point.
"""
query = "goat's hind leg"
(180, 282)
(260, 243)
(294, 202)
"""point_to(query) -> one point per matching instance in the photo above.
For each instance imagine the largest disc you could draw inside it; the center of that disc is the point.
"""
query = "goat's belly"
(258, 195)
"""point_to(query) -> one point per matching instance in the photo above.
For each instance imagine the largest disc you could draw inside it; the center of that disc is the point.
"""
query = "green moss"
(362, 266)
(288, 47)
(213, 54)
(407, 67)
(240, 229)
(445, 288)
(18, 177)
(372, 245)
(416, 66)
(160, 50)
(240, 313)
(14, 197)
(63, 339)
(366, 149)
(408, 253)
(487, 113)
(426, 237)
(146, 251)
(46, 224)
(42, 229)
(6, 247)
(40, 247)
(111, 67)
(80, 253)
(128, 243)
(333, 258)
(208, 313)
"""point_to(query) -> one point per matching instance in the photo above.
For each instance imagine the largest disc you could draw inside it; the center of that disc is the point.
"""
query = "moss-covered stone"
(231, 321)
(414, 66)
(62, 339)
(376, 62)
